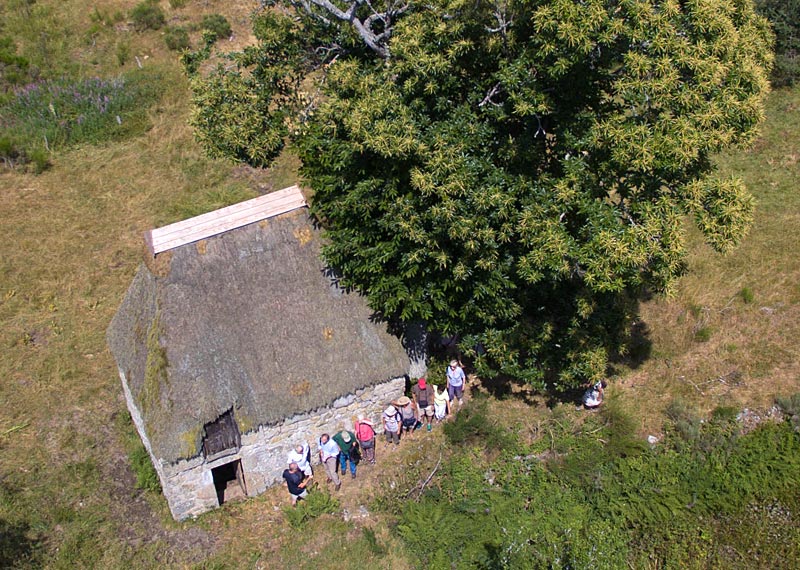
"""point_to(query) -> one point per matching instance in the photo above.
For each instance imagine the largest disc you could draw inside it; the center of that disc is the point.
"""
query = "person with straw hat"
(408, 415)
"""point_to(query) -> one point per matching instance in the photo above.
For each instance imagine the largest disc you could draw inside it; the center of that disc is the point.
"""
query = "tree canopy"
(515, 172)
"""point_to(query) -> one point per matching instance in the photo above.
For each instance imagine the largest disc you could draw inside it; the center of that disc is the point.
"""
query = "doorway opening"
(229, 481)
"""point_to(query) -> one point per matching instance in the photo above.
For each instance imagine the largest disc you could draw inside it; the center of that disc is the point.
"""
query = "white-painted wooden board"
(223, 220)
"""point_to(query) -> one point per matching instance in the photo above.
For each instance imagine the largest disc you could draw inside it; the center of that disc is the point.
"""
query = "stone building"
(234, 343)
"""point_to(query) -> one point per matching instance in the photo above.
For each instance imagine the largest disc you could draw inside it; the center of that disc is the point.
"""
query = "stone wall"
(189, 486)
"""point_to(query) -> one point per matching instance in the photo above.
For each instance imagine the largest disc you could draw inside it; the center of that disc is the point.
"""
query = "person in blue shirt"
(456, 380)
(329, 457)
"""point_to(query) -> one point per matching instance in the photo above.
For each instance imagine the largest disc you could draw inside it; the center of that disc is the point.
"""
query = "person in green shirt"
(348, 447)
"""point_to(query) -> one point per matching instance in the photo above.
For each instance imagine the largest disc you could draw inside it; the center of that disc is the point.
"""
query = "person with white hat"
(391, 424)
(348, 451)
(456, 380)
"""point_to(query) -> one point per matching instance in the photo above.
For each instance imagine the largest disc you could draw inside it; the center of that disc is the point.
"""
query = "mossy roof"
(251, 320)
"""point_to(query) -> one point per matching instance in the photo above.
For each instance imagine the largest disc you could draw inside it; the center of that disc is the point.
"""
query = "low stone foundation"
(189, 485)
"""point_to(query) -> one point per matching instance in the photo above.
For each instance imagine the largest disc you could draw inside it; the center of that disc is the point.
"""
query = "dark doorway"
(229, 481)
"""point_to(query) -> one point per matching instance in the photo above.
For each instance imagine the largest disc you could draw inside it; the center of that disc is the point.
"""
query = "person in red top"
(365, 434)
(422, 393)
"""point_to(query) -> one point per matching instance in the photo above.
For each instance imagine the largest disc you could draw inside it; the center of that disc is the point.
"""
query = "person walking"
(328, 454)
(348, 450)
(391, 424)
(408, 415)
(422, 393)
(301, 454)
(365, 434)
(456, 380)
(296, 482)
(441, 404)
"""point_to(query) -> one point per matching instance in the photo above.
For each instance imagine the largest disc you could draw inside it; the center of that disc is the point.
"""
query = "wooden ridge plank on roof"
(225, 219)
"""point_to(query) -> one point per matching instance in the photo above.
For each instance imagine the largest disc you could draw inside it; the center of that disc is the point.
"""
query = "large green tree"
(517, 172)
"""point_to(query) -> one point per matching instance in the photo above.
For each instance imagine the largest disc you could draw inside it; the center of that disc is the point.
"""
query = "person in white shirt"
(329, 457)
(301, 455)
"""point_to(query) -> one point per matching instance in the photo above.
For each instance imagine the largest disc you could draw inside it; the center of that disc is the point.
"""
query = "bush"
(175, 4)
(14, 69)
(146, 476)
(784, 15)
(218, 25)
(471, 425)
(177, 38)
(316, 503)
(123, 53)
(147, 15)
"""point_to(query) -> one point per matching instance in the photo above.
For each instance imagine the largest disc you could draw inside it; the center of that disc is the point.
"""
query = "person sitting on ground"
(296, 482)
(391, 424)
(365, 434)
(301, 454)
(593, 397)
(348, 448)
(408, 414)
(328, 454)
(422, 393)
(441, 404)
(456, 380)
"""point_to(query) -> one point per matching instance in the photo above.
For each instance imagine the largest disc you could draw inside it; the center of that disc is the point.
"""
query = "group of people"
(402, 416)
(345, 449)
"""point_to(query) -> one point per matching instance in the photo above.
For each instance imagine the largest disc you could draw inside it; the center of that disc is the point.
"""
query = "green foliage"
(784, 15)
(177, 38)
(123, 53)
(374, 546)
(472, 425)
(525, 210)
(601, 504)
(790, 406)
(146, 476)
(316, 504)
(176, 4)
(58, 114)
(746, 294)
(217, 24)
(703, 334)
(147, 15)
(14, 69)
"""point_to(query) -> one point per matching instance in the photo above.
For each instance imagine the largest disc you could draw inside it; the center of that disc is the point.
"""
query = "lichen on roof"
(253, 322)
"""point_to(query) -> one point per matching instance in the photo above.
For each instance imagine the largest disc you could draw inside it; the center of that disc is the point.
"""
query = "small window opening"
(229, 481)
(221, 435)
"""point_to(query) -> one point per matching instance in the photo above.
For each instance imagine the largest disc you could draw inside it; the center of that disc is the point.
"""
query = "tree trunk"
(415, 341)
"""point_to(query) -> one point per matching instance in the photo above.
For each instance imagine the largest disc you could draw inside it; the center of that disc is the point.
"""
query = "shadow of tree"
(17, 548)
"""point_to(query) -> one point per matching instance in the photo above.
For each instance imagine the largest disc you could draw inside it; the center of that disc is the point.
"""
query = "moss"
(245, 422)
(190, 442)
(155, 372)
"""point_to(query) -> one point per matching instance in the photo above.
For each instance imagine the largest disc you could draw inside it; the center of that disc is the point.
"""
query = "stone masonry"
(188, 485)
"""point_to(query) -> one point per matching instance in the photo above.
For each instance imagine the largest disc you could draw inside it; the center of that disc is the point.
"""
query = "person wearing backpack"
(365, 434)
(391, 424)
(422, 392)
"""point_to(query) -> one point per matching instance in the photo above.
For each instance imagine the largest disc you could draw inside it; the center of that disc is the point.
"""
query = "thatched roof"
(250, 320)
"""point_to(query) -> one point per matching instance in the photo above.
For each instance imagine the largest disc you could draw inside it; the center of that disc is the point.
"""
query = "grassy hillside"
(72, 243)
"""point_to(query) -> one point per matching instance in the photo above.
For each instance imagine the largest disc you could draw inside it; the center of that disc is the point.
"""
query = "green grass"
(72, 242)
